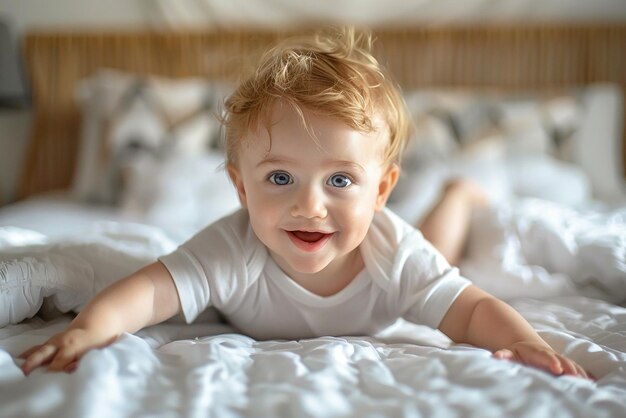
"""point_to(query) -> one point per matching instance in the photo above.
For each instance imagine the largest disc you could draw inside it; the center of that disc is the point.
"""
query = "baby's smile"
(309, 241)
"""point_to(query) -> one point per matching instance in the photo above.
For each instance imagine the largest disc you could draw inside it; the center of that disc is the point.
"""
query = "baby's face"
(312, 203)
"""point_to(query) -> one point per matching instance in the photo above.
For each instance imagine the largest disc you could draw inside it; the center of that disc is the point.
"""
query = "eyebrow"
(344, 163)
(274, 160)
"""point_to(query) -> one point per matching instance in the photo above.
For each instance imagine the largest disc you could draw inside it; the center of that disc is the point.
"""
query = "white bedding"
(230, 375)
(206, 369)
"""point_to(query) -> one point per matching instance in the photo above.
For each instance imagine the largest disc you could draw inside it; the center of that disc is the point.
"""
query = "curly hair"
(332, 73)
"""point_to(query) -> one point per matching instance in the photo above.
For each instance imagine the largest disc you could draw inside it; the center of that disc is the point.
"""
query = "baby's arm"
(482, 320)
(144, 298)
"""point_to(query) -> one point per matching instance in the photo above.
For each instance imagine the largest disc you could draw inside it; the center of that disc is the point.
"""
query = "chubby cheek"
(265, 214)
(354, 218)
(262, 204)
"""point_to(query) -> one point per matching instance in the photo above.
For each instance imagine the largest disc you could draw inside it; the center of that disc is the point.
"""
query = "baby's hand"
(63, 351)
(542, 357)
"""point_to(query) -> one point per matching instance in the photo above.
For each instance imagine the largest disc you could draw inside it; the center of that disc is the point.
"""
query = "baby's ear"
(236, 178)
(387, 183)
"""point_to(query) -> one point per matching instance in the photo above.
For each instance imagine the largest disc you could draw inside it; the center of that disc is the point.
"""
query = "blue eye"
(280, 178)
(339, 180)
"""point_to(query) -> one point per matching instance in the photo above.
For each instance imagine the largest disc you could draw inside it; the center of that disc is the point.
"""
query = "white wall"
(96, 14)
(37, 14)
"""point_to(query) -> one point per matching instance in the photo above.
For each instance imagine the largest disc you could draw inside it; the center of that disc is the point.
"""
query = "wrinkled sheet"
(166, 371)
(535, 248)
(206, 369)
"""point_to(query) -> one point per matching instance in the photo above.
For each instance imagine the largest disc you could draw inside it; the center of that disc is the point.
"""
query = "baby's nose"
(309, 203)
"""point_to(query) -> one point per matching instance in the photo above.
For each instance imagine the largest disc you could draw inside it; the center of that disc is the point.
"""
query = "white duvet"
(571, 296)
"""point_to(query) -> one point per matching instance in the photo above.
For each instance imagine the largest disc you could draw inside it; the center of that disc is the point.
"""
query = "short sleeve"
(190, 281)
(428, 284)
(215, 267)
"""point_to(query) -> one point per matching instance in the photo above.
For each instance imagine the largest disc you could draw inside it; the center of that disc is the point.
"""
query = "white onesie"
(227, 267)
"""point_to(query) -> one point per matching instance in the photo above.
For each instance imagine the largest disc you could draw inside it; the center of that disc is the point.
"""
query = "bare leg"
(446, 226)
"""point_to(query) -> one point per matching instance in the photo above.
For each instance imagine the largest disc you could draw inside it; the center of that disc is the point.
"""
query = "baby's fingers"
(543, 359)
(584, 373)
(539, 358)
(547, 361)
(70, 368)
(504, 354)
(569, 367)
(30, 351)
(37, 357)
(574, 369)
(64, 358)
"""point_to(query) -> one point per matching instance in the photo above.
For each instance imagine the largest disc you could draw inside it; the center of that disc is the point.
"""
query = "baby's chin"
(307, 266)
(301, 265)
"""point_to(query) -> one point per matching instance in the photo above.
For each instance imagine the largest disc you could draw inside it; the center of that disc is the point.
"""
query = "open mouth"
(309, 241)
(309, 236)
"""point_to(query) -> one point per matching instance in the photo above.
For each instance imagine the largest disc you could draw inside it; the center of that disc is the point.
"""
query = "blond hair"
(332, 73)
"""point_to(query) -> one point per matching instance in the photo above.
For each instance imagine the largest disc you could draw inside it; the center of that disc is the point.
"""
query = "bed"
(553, 243)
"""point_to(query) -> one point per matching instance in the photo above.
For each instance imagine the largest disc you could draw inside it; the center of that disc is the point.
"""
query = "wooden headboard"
(536, 57)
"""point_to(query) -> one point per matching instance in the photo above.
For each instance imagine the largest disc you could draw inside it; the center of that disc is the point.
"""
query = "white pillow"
(136, 132)
(96, 98)
(581, 127)
(544, 177)
(431, 141)
(597, 144)
(181, 193)
(530, 122)
(523, 125)
(124, 115)
(419, 189)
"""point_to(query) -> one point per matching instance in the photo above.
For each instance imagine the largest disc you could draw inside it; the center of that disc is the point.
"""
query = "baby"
(313, 141)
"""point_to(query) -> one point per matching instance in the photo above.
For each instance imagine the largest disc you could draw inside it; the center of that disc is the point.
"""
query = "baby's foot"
(470, 190)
